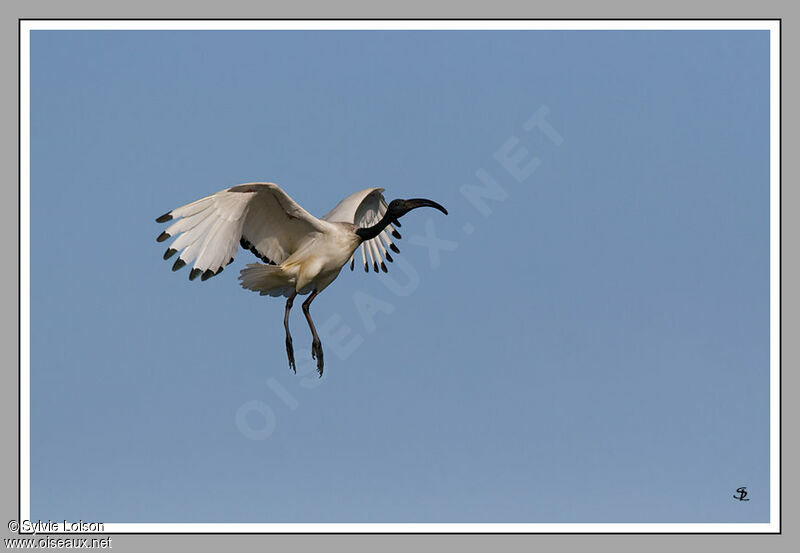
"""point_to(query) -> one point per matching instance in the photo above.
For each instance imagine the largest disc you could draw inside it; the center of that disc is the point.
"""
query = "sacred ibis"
(303, 254)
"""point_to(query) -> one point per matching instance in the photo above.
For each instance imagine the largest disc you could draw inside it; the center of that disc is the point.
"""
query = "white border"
(775, 144)
(398, 25)
(24, 276)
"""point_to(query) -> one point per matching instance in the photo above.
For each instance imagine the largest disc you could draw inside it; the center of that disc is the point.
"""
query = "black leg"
(289, 348)
(316, 345)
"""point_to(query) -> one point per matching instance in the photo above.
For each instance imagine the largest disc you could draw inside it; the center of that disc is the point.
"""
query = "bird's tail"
(268, 280)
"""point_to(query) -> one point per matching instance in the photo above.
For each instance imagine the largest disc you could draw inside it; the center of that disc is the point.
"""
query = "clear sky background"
(595, 350)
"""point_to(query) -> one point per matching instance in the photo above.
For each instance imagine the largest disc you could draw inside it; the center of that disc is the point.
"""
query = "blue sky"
(590, 344)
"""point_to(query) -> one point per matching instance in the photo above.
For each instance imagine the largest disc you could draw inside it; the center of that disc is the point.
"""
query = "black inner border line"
(19, 264)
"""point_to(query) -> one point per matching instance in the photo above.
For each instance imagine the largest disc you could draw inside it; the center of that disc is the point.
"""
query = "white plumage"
(365, 208)
(303, 254)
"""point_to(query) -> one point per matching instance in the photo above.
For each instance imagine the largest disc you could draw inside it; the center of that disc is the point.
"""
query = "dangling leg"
(316, 345)
(289, 349)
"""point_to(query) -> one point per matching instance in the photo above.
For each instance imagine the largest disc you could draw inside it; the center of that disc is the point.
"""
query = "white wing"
(364, 209)
(259, 216)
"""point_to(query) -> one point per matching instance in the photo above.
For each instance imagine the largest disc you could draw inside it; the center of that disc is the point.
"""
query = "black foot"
(290, 353)
(316, 353)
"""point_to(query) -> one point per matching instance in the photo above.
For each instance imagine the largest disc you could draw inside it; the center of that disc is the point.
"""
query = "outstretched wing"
(364, 209)
(259, 216)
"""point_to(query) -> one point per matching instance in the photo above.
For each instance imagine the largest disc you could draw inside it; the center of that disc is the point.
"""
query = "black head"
(395, 210)
(398, 208)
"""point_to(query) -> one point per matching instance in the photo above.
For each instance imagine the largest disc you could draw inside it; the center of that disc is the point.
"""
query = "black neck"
(369, 233)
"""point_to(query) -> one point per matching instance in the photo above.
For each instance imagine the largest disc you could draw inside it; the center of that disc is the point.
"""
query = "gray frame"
(87, 9)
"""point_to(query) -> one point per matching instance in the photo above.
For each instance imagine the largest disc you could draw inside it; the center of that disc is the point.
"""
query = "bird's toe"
(316, 353)
(290, 354)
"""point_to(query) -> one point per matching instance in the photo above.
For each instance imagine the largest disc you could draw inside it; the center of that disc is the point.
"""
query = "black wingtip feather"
(195, 272)
(164, 218)
(375, 266)
(366, 269)
(388, 257)
(207, 274)
(179, 263)
(394, 248)
(396, 234)
(246, 244)
(229, 262)
(396, 223)
(383, 266)
(161, 237)
(352, 264)
(169, 253)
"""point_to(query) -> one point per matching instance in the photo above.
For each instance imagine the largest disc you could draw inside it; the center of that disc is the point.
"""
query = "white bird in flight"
(303, 254)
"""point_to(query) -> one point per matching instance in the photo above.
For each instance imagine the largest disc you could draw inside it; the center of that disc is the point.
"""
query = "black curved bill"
(422, 202)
